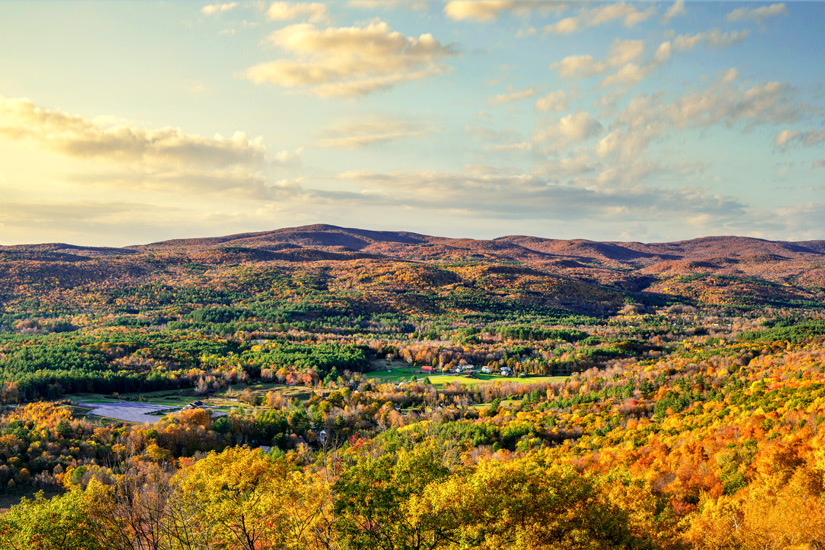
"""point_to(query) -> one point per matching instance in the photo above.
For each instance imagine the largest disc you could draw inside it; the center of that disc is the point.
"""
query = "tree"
(253, 501)
(57, 523)
(372, 502)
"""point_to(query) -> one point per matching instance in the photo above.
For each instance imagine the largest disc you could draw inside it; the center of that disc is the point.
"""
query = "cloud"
(487, 11)
(675, 10)
(584, 66)
(628, 75)
(370, 131)
(802, 221)
(213, 9)
(579, 66)
(757, 15)
(627, 12)
(806, 138)
(120, 156)
(554, 101)
(573, 128)
(625, 56)
(563, 168)
(78, 137)
(625, 51)
(387, 5)
(567, 25)
(511, 95)
(506, 147)
(713, 38)
(602, 14)
(526, 196)
(818, 163)
(286, 158)
(350, 61)
(315, 12)
(648, 116)
(766, 103)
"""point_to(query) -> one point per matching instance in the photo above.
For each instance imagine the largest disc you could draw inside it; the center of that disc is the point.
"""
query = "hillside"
(589, 277)
(322, 387)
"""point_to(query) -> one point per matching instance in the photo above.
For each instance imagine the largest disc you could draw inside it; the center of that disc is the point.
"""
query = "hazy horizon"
(130, 123)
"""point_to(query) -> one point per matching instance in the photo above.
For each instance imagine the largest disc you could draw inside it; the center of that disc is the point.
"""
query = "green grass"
(443, 380)
(506, 404)
(398, 374)
(90, 398)
(404, 373)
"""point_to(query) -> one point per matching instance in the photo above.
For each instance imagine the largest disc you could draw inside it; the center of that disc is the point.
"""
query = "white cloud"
(579, 66)
(504, 147)
(519, 196)
(213, 9)
(628, 75)
(675, 10)
(315, 12)
(554, 101)
(818, 163)
(627, 12)
(487, 11)
(647, 117)
(757, 15)
(369, 131)
(601, 15)
(350, 61)
(387, 5)
(807, 138)
(784, 137)
(288, 157)
(511, 95)
(78, 137)
(584, 66)
(625, 51)
(120, 156)
(766, 103)
(567, 25)
(625, 56)
(573, 128)
(566, 167)
(713, 38)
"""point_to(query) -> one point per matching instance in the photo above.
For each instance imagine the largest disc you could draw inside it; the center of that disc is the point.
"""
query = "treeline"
(122, 360)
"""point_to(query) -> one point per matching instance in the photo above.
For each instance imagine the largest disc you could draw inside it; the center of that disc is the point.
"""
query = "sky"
(132, 122)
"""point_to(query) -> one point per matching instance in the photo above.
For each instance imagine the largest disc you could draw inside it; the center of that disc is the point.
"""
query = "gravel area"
(130, 412)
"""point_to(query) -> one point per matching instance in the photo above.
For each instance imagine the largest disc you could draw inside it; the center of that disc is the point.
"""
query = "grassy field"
(402, 372)
(399, 372)
(444, 379)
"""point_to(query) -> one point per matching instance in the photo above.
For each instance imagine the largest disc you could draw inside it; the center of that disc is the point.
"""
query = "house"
(485, 370)
(427, 370)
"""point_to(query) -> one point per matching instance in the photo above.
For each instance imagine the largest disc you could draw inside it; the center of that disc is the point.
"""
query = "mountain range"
(716, 270)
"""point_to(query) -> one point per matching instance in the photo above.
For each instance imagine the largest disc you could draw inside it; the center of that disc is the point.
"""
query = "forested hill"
(574, 276)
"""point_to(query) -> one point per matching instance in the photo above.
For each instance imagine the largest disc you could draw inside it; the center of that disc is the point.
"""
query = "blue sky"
(125, 123)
